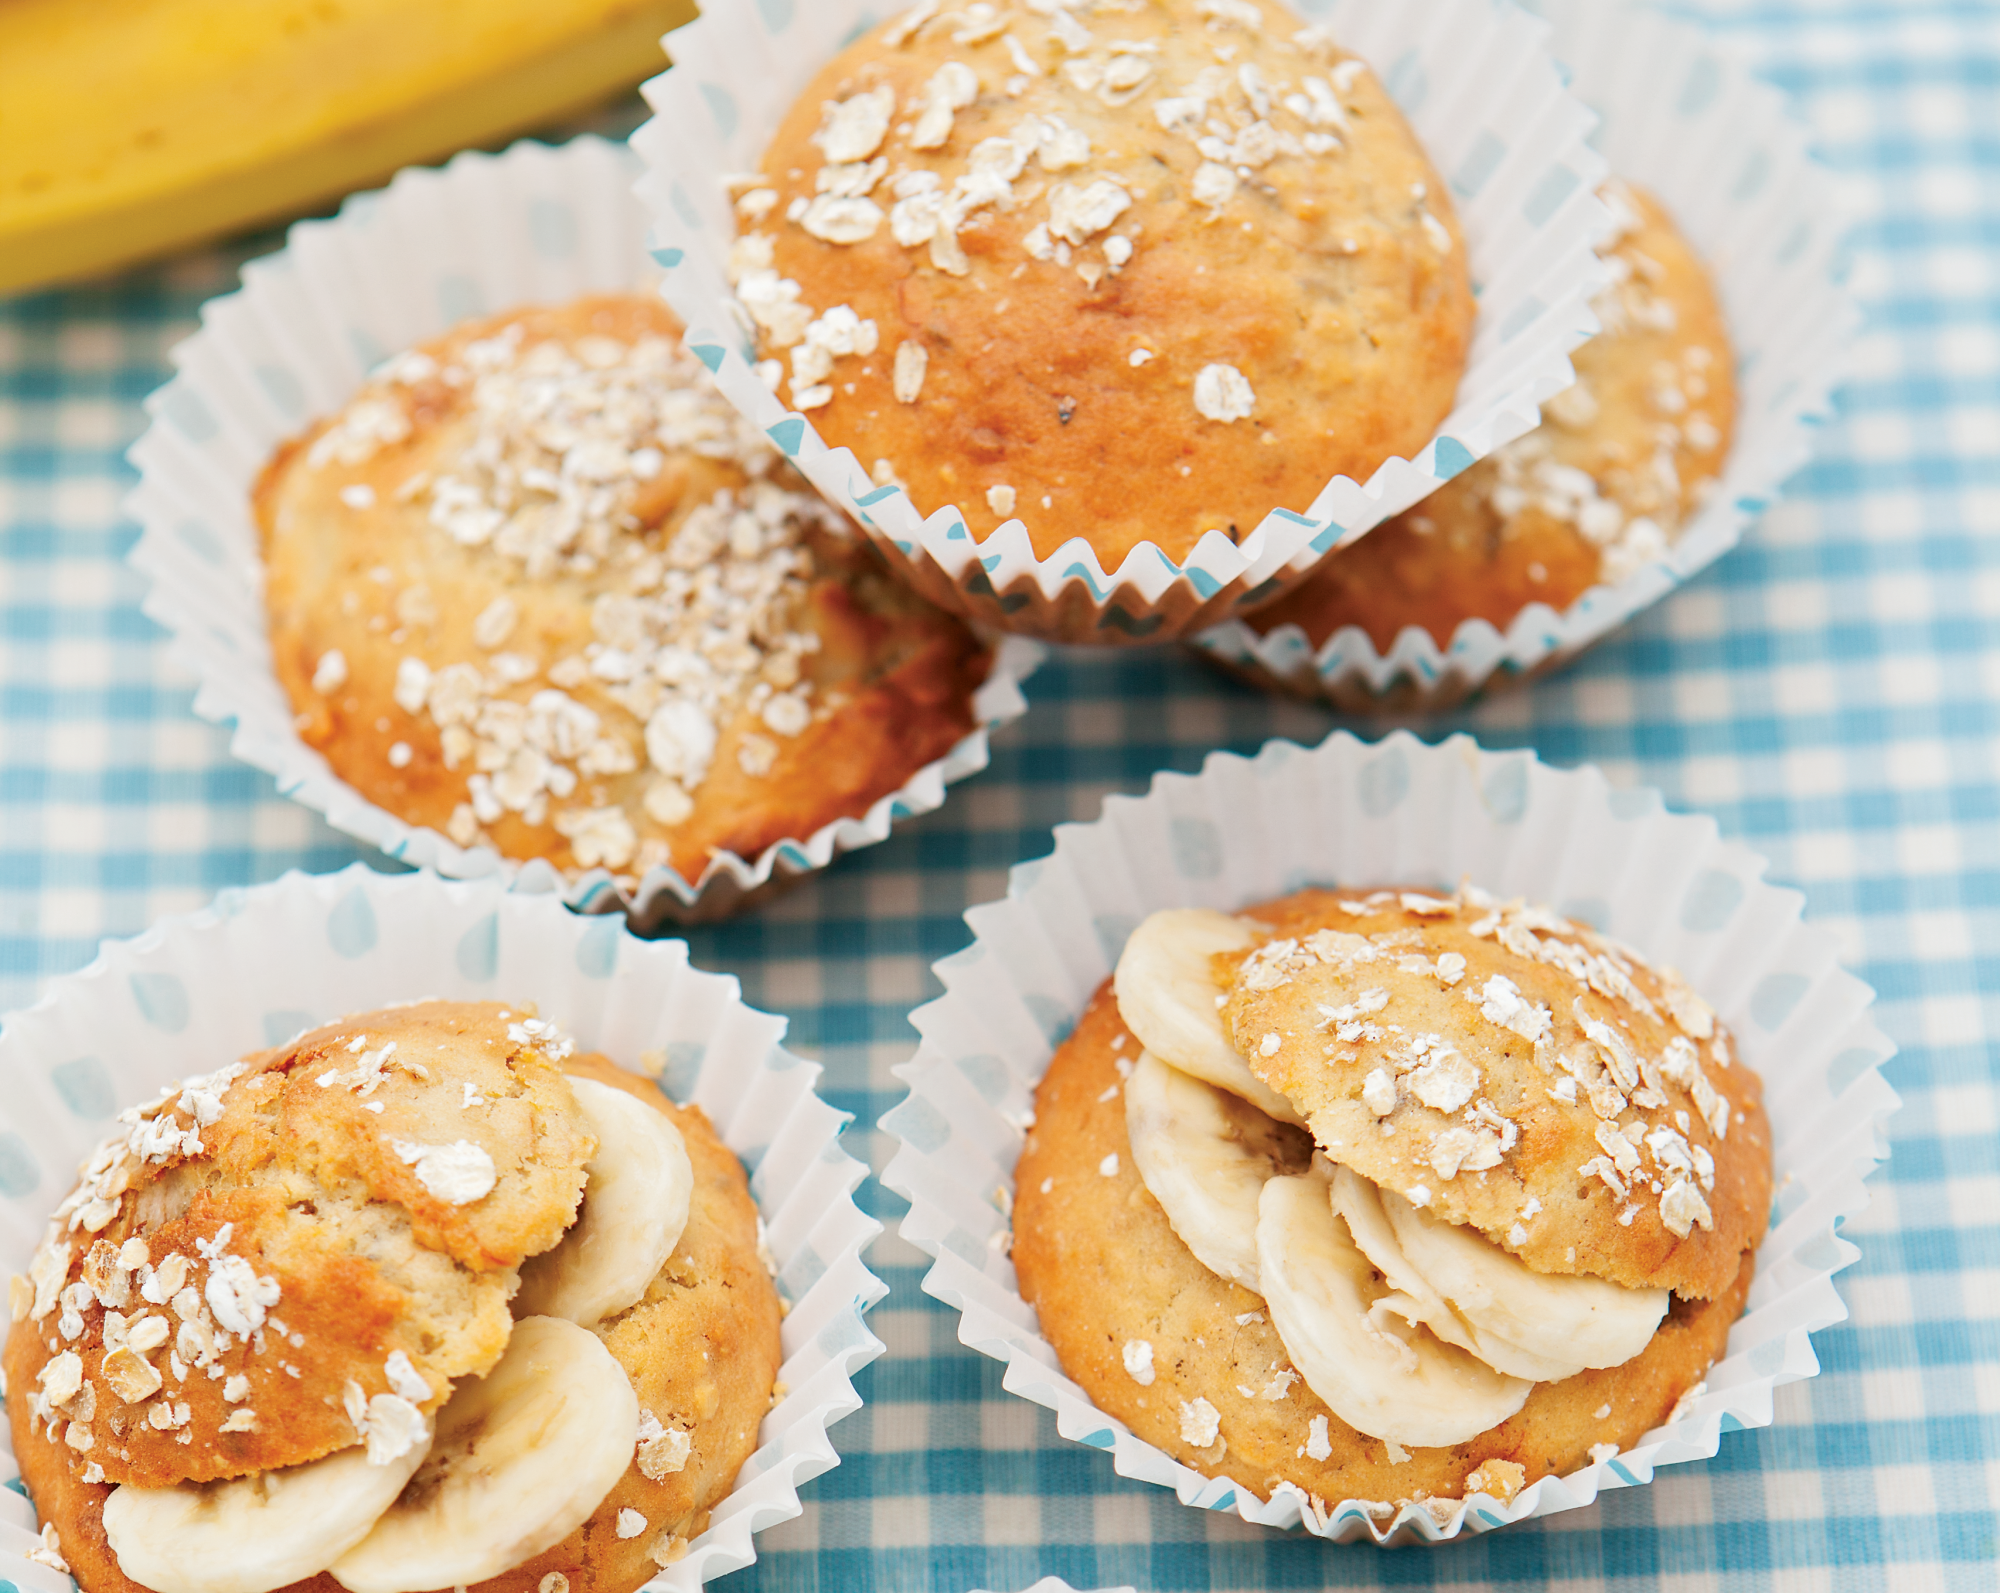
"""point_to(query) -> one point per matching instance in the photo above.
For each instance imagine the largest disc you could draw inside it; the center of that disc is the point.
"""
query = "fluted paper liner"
(1476, 83)
(537, 225)
(1348, 812)
(1723, 154)
(259, 965)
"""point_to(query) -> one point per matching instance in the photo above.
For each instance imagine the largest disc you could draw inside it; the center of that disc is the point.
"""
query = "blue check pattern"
(1830, 692)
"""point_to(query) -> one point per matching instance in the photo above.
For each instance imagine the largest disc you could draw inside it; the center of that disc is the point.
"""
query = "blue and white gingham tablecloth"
(1830, 692)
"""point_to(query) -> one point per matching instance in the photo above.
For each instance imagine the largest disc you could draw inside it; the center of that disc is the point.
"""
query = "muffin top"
(539, 586)
(301, 1249)
(1621, 461)
(1128, 270)
(1503, 1068)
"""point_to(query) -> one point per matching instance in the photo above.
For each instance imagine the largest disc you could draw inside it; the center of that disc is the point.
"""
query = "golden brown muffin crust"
(1649, 422)
(702, 1351)
(306, 1238)
(1353, 982)
(1035, 365)
(531, 732)
(1102, 1266)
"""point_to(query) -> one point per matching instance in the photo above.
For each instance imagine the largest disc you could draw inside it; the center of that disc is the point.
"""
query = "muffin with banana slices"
(1390, 1195)
(1622, 461)
(538, 587)
(422, 1299)
(1121, 271)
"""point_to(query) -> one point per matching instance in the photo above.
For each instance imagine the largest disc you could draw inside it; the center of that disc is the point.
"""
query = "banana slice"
(1167, 995)
(1360, 1202)
(1406, 1387)
(522, 1457)
(255, 1533)
(1580, 1321)
(635, 1205)
(1205, 1155)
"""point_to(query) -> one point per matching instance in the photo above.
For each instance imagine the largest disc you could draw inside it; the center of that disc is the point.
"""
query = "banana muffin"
(422, 1299)
(1622, 460)
(1390, 1196)
(1126, 270)
(539, 587)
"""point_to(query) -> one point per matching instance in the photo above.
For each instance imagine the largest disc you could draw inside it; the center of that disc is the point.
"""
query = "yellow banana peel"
(129, 128)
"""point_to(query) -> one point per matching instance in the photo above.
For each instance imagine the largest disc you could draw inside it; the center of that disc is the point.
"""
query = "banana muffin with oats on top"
(1130, 272)
(539, 587)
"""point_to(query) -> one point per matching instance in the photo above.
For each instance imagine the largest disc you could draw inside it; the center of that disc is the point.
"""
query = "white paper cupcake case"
(1475, 81)
(1721, 151)
(537, 225)
(259, 965)
(1247, 830)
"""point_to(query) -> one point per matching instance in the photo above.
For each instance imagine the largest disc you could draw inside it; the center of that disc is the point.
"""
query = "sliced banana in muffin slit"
(1350, 1337)
(635, 1208)
(1168, 997)
(1581, 1320)
(1206, 1157)
(255, 1533)
(1360, 1203)
(521, 1459)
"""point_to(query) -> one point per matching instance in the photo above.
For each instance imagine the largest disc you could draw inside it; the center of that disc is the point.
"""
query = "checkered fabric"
(1828, 692)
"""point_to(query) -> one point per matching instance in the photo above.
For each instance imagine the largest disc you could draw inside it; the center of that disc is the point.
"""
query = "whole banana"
(129, 128)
